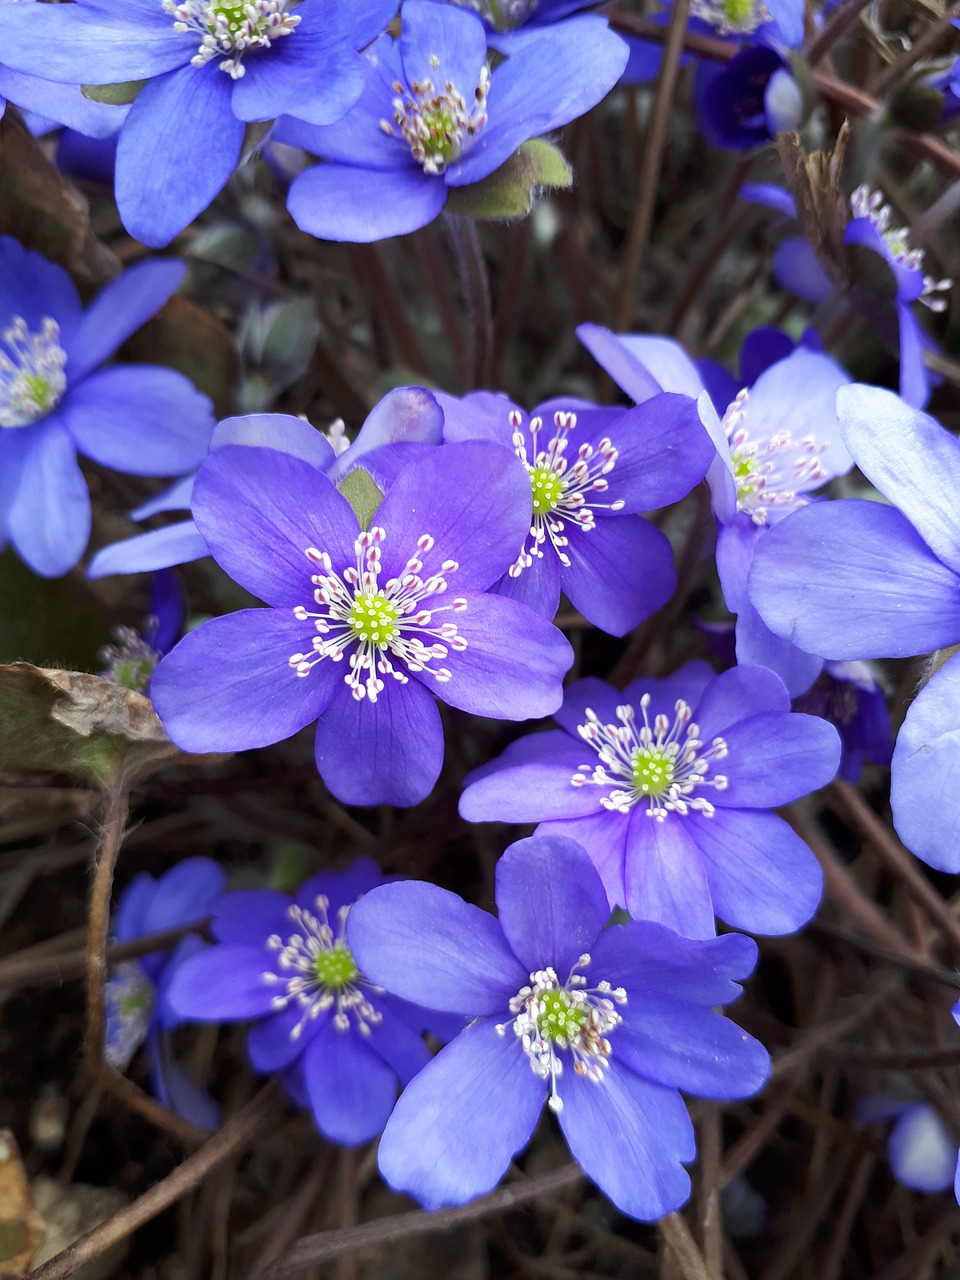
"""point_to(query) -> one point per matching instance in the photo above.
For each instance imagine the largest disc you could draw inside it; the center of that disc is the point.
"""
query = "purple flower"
(668, 785)
(855, 579)
(433, 117)
(921, 1150)
(846, 694)
(137, 1004)
(56, 401)
(212, 66)
(334, 1035)
(777, 440)
(406, 420)
(747, 102)
(605, 1024)
(377, 597)
(798, 269)
(591, 472)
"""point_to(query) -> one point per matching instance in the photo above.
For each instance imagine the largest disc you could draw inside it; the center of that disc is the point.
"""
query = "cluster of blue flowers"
(424, 562)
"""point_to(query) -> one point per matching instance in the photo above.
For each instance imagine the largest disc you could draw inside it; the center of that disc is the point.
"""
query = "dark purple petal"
(924, 772)
(48, 519)
(340, 886)
(174, 1089)
(127, 921)
(387, 752)
(337, 202)
(762, 876)
(139, 418)
(911, 459)
(229, 685)
(259, 510)
(222, 984)
(550, 901)
(514, 662)
(473, 499)
(428, 946)
(797, 268)
(915, 381)
(271, 1043)
(457, 1125)
(650, 958)
(774, 758)
(481, 415)
(684, 1046)
(629, 1136)
(184, 895)
(592, 694)
(119, 310)
(351, 1089)
(664, 451)
(664, 876)
(180, 144)
(250, 915)
(619, 573)
(537, 586)
(34, 288)
(853, 579)
(736, 695)
(401, 1046)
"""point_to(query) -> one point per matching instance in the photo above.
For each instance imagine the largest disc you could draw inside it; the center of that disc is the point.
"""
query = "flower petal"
(461, 1120)
(229, 685)
(853, 579)
(534, 789)
(630, 1136)
(923, 1153)
(924, 771)
(180, 144)
(762, 876)
(774, 758)
(664, 876)
(158, 549)
(620, 572)
(250, 915)
(550, 902)
(337, 202)
(48, 519)
(119, 310)
(70, 45)
(351, 1089)
(604, 836)
(428, 946)
(736, 695)
(222, 984)
(649, 957)
(184, 894)
(387, 752)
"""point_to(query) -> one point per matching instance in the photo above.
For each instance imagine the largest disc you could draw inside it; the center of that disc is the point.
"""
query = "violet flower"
(56, 401)
(848, 695)
(452, 519)
(747, 102)
(604, 1024)
(855, 579)
(668, 785)
(284, 963)
(591, 472)
(432, 117)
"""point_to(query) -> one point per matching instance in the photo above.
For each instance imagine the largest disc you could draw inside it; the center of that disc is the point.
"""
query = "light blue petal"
(119, 310)
(48, 520)
(159, 549)
(335, 202)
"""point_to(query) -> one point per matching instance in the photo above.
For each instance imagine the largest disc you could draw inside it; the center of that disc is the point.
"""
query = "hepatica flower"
(590, 472)
(604, 1024)
(848, 695)
(365, 626)
(921, 1150)
(747, 102)
(777, 441)
(285, 963)
(668, 785)
(56, 401)
(856, 579)
(138, 1010)
(432, 117)
(211, 67)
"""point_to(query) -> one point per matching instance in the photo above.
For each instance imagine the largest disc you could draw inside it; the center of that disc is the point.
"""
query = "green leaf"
(115, 95)
(359, 489)
(509, 191)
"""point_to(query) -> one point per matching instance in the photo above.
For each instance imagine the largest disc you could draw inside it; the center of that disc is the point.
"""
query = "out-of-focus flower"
(747, 102)
(846, 694)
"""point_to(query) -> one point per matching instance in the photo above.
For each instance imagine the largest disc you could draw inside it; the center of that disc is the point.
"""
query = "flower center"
(772, 472)
(554, 1018)
(732, 17)
(664, 764)
(316, 971)
(865, 203)
(32, 378)
(436, 123)
(379, 624)
(562, 494)
(228, 29)
(130, 997)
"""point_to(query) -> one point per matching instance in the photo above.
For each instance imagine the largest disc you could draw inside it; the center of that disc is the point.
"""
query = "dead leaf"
(21, 1226)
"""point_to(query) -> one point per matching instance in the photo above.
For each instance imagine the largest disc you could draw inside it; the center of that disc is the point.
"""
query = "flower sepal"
(510, 191)
(114, 95)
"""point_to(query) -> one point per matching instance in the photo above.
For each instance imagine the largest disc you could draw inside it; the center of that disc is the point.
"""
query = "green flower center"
(547, 489)
(743, 468)
(653, 771)
(38, 392)
(561, 1019)
(373, 619)
(336, 969)
(737, 12)
(232, 13)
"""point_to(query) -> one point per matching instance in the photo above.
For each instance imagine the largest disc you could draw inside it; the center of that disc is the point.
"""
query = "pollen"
(374, 619)
(547, 490)
(335, 969)
(229, 29)
(653, 771)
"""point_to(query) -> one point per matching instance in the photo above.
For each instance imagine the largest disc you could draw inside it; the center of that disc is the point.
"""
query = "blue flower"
(453, 519)
(846, 694)
(337, 1039)
(591, 472)
(137, 1005)
(56, 401)
(433, 117)
(212, 66)
(798, 269)
(404, 422)
(747, 102)
(777, 440)
(604, 1024)
(512, 24)
(921, 1149)
(668, 785)
(855, 579)
(131, 661)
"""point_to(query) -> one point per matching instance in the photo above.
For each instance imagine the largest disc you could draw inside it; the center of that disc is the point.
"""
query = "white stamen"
(32, 378)
(731, 17)
(229, 29)
(865, 203)
(437, 124)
